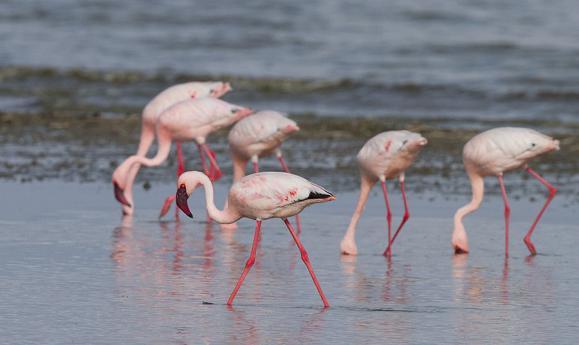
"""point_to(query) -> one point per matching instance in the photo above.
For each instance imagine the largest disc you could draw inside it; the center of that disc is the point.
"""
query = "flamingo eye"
(533, 144)
(404, 142)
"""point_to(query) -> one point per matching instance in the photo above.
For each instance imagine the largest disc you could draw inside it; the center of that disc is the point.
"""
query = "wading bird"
(385, 156)
(258, 135)
(189, 120)
(165, 99)
(258, 196)
(492, 153)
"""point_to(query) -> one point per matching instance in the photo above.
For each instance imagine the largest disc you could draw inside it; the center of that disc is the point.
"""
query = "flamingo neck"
(226, 216)
(477, 184)
(239, 165)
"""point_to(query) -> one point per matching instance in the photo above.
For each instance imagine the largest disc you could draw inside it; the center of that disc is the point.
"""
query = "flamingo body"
(260, 134)
(258, 196)
(492, 153)
(385, 156)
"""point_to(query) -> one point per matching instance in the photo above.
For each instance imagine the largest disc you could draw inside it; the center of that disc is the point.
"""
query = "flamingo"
(259, 135)
(152, 111)
(258, 196)
(193, 119)
(385, 156)
(492, 153)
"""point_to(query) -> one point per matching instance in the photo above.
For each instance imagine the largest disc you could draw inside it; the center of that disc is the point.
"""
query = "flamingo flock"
(192, 111)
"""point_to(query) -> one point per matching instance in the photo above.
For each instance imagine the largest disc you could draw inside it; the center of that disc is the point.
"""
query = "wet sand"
(73, 271)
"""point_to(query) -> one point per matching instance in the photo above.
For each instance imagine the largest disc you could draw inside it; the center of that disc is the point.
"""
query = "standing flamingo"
(385, 156)
(258, 196)
(259, 135)
(165, 99)
(192, 119)
(492, 153)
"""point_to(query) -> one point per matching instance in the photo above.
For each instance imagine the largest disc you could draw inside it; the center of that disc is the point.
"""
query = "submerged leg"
(404, 218)
(552, 191)
(507, 213)
(388, 214)
(248, 264)
(285, 168)
(306, 261)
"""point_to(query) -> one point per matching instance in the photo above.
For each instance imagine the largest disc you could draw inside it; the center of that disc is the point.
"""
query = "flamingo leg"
(202, 157)
(214, 170)
(306, 261)
(507, 213)
(255, 167)
(404, 219)
(169, 200)
(285, 168)
(248, 264)
(552, 191)
(388, 215)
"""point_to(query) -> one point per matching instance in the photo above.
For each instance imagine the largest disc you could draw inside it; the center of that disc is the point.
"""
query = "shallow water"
(73, 271)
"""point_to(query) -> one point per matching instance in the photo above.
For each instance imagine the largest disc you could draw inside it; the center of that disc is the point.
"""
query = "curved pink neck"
(239, 165)
(477, 184)
(226, 216)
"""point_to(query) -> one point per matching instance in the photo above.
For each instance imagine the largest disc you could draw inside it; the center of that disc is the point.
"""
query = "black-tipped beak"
(181, 200)
(120, 195)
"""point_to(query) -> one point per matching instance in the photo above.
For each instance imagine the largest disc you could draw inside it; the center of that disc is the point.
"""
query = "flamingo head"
(533, 144)
(220, 89)
(186, 184)
(413, 143)
(119, 183)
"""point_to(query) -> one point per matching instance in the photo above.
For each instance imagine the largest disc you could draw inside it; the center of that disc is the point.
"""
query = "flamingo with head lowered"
(258, 196)
(385, 156)
(492, 153)
(258, 135)
(152, 111)
(189, 120)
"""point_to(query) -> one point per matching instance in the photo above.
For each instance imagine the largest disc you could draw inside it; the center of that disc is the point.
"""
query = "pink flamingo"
(258, 196)
(385, 156)
(492, 153)
(260, 134)
(193, 119)
(165, 99)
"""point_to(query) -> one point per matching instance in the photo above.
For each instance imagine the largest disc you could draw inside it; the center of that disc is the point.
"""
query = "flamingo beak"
(120, 195)
(181, 200)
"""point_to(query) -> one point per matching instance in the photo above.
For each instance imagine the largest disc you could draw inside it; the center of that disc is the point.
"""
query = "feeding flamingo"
(492, 153)
(258, 196)
(385, 156)
(192, 119)
(260, 134)
(152, 111)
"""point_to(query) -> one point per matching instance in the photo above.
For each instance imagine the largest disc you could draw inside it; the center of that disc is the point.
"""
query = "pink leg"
(552, 191)
(202, 157)
(285, 168)
(255, 167)
(248, 264)
(388, 216)
(306, 261)
(507, 213)
(214, 170)
(388, 250)
(169, 200)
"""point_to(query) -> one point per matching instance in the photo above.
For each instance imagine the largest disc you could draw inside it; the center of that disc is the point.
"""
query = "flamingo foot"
(459, 250)
(166, 206)
(530, 245)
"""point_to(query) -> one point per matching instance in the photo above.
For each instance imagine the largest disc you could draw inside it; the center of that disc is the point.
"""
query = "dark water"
(73, 272)
(463, 59)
